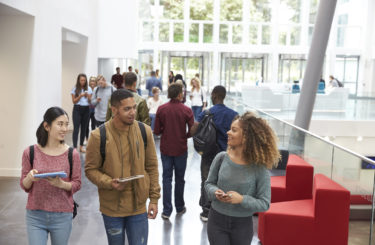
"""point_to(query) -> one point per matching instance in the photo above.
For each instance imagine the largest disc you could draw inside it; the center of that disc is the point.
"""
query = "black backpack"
(70, 157)
(341, 85)
(103, 136)
(205, 137)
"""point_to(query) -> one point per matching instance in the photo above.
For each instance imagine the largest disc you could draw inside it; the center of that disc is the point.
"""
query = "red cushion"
(278, 190)
(359, 199)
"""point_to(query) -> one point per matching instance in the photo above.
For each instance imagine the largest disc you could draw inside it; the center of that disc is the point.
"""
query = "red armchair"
(322, 220)
(296, 184)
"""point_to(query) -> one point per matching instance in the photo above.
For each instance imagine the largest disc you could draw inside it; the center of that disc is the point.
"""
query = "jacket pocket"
(143, 189)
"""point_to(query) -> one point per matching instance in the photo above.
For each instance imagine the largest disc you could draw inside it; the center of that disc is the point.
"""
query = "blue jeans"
(179, 165)
(152, 117)
(136, 228)
(139, 91)
(196, 111)
(40, 223)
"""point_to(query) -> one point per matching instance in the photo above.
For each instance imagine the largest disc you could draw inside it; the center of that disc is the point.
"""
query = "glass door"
(346, 69)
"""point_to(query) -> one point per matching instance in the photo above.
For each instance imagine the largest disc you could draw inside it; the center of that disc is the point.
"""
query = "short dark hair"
(153, 73)
(49, 116)
(118, 95)
(130, 78)
(174, 90)
(117, 68)
(220, 92)
(178, 77)
(130, 67)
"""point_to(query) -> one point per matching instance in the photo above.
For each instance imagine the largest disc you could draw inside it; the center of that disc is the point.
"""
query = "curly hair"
(260, 145)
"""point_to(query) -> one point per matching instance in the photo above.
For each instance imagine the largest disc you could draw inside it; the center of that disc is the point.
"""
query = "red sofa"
(322, 220)
(297, 182)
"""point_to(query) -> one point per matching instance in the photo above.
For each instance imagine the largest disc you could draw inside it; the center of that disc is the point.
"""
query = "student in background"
(92, 84)
(238, 183)
(116, 79)
(153, 104)
(100, 98)
(81, 97)
(198, 97)
(49, 208)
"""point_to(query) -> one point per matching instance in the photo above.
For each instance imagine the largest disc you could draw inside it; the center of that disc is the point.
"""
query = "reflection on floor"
(88, 226)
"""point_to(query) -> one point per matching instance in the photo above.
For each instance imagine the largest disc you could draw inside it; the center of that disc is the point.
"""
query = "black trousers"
(205, 169)
(80, 119)
(93, 123)
(228, 230)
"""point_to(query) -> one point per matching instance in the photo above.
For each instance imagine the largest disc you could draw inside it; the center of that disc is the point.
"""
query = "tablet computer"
(131, 178)
(60, 174)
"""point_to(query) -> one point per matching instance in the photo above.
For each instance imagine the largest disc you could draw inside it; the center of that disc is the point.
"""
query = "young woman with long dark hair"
(81, 97)
(238, 183)
(50, 205)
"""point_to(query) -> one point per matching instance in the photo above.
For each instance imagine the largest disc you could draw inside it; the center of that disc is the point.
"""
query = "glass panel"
(144, 8)
(253, 70)
(290, 11)
(201, 9)
(340, 36)
(146, 60)
(177, 65)
(148, 31)
(358, 177)
(237, 34)
(339, 68)
(172, 9)
(178, 34)
(311, 30)
(313, 10)
(164, 32)
(223, 38)
(207, 33)
(194, 33)
(266, 35)
(253, 34)
(192, 67)
(260, 11)
(295, 70)
(283, 30)
(351, 66)
(295, 35)
(231, 10)
(236, 75)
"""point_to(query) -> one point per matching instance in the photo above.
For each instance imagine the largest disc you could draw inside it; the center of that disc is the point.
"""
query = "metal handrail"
(308, 132)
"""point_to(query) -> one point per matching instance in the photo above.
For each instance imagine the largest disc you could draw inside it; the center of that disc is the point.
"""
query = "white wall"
(17, 102)
(31, 61)
(118, 28)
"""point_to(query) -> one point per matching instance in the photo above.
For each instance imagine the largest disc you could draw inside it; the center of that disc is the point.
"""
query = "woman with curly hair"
(238, 183)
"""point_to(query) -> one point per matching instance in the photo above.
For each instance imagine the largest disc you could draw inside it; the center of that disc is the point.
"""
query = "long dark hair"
(78, 84)
(49, 116)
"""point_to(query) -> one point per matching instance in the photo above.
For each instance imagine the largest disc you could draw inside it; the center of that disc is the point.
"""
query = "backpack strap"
(143, 132)
(103, 136)
(31, 148)
(70, 157)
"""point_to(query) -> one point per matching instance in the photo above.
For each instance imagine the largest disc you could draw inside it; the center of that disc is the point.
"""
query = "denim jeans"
(139, 91)
(136, 228)
(179, 165)
(152, 117)
(40, 223)
(196, 111)
(81, 116)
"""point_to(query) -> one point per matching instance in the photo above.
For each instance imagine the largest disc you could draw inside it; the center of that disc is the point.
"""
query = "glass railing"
(351, 170)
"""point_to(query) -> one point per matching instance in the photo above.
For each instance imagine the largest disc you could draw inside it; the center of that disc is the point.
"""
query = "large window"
(172, 9)
(291, 68)
(230, 10)
(346, 70)
(260, 10)
(201, 9)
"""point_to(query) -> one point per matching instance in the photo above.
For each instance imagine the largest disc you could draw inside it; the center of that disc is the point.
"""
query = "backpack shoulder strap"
(31, 148)
(70, 157)
(96, 91)
(143, 132)
(103, 136)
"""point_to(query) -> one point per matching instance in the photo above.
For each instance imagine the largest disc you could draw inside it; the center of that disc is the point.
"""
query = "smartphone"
(131, 178)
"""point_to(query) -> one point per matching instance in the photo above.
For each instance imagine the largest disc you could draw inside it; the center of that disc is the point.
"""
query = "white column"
(315, 60)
